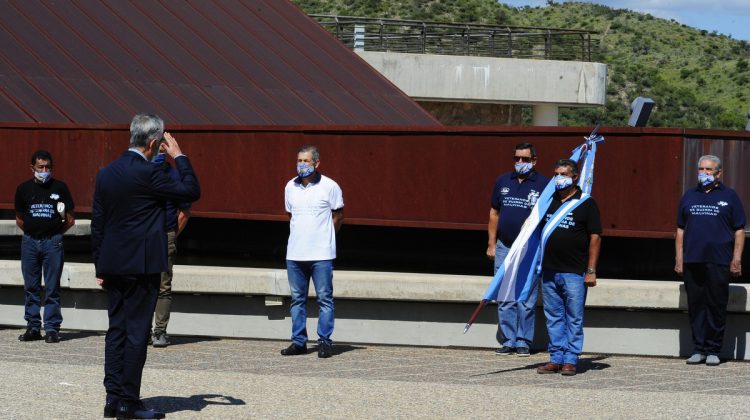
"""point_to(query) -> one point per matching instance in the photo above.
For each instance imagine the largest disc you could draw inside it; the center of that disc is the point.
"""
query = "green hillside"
(698, 79)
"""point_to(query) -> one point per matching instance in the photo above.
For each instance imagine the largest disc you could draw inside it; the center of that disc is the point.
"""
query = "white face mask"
(562, 182)
(43, 177)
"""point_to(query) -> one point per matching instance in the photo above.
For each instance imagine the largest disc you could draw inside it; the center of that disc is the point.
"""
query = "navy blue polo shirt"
(710, 221)
(514, 200)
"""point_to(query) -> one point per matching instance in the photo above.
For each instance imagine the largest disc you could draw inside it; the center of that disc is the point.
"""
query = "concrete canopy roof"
(231, 62)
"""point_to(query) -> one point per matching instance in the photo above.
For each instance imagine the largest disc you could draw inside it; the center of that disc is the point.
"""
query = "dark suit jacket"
(127, 216)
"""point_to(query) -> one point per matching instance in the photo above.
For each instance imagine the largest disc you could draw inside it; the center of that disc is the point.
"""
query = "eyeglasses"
(522, 158)
(707, 169)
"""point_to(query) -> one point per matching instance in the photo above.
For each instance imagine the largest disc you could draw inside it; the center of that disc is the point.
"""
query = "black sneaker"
(324, 350)
(294, 350)
(505, 351)
(30, 335)
(52, 337)
(522, 352)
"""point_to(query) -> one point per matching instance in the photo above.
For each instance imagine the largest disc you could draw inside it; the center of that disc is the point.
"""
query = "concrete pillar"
(545, 115)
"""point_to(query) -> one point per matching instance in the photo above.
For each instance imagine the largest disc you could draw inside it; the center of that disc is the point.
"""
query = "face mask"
(523, 168)
(160, 158)
(304, 170)
(43, 177)
(562, 182)
(705, 179)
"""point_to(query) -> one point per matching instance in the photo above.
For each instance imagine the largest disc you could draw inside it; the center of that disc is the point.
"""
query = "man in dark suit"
(129, 247)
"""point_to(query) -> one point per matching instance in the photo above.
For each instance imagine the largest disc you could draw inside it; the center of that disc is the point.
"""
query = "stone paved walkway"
(201, 377)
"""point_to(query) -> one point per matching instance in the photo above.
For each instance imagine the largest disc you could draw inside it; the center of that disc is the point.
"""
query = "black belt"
(42, 237)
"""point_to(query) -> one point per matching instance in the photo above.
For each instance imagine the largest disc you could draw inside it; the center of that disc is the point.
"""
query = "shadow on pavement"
(592, 363)
(584, 365)
(178, 340)
(343, 348)
(77, 335)
(192, 403)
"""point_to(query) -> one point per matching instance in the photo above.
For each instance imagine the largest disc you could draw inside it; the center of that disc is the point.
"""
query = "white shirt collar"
(139, 152)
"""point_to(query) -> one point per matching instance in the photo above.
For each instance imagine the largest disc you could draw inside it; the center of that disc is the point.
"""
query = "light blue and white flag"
(519, 272)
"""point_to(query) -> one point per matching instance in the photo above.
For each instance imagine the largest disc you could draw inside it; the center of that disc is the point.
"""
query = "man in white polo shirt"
(315, 206)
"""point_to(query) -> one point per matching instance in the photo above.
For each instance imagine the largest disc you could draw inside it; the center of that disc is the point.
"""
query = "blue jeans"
(564, 299)
(299, 274)
(515, 319)
(42, 256)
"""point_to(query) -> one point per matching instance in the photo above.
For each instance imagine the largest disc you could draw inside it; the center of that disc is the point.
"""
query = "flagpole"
(475, 315)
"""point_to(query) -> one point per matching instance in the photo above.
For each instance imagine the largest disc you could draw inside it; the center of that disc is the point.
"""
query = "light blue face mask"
(705, 179)
(562, 182)
(42, 177)
(523, 168)
(304, 170)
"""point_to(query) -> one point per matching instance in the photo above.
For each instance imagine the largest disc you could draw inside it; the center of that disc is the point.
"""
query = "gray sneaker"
(161, 340)
(696, 359)
(712, 360)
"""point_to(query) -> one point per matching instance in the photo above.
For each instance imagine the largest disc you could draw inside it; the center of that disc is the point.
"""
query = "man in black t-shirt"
(44, 211)
(571, 250)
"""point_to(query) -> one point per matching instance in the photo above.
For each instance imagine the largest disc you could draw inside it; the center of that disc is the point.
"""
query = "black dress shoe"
(30, 335)
(52, 337)
(324, 350)
(137, 411)
(110, 409)
(294, 350)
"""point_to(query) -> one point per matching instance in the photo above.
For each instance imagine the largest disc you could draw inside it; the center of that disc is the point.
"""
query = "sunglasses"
(522, 158)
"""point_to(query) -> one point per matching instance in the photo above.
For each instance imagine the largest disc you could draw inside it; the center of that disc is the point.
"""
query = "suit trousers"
(132, 299)
(707, 287)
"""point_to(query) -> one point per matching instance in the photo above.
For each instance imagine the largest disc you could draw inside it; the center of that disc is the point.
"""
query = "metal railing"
(409, 36)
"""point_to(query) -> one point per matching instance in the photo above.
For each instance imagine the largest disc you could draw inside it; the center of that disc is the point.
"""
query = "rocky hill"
(698, 79)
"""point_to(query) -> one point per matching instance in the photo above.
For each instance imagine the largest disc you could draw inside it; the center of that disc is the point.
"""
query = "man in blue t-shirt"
(709, 242)
(513, 197)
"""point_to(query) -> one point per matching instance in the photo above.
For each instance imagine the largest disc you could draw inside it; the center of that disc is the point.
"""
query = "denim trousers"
(299, 274)
(515, 319)
(564, 297)
(42, 256)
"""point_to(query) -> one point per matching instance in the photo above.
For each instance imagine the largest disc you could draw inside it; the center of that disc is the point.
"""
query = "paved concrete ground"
(229, 378)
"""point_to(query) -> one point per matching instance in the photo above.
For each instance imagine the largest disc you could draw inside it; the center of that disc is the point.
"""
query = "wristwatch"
(590, 270)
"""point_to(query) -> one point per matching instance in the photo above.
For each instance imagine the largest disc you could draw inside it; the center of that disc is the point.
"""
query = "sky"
(728, 17)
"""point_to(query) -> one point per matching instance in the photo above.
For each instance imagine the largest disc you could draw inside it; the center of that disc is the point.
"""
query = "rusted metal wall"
(437, 178)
